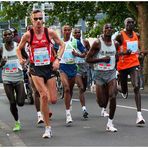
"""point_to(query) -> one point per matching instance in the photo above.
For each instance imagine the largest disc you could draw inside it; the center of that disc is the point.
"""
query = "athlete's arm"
(25, 38)
(81, 48)
(53, 35)
(86, 44)
(119, 39)
(93, 51)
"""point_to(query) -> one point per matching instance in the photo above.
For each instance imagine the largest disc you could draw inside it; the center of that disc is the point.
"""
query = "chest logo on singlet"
(41, 56)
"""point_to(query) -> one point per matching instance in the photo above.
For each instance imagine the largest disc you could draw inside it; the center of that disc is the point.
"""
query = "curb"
(7, 132)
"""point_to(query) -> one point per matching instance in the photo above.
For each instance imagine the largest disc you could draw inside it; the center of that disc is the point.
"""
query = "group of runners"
(73, 59)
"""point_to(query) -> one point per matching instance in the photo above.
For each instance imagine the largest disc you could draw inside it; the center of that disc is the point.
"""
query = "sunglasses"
(77, 32)
(38, 18)
(7, 34)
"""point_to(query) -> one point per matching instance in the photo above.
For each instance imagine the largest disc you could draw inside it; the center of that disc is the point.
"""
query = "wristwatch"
(58, 58)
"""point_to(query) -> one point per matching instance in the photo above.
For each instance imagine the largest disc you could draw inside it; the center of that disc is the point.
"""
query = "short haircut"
(126, 20)
(35, 11)
(7, 30)
(66, 25)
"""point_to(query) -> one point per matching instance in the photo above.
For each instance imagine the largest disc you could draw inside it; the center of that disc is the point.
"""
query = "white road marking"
(130, 107)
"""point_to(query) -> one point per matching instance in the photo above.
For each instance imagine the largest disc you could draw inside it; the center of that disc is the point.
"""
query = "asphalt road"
(89, 132)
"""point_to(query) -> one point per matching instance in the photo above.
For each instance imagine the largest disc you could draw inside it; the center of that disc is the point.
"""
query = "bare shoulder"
(138, 35)
(26, 36)
(51, 32)
(96, 42)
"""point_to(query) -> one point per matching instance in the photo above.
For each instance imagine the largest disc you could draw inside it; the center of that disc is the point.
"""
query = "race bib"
(11, 66)
(69, 57)
(41, 56)
(132, 45)
(105, 66)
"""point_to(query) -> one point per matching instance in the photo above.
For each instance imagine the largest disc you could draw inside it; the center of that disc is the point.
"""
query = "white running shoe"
(111, 128)
(104, 113)
(124, 95)
(47, 134)
(140, 120)
(40, 119)
(68, 119)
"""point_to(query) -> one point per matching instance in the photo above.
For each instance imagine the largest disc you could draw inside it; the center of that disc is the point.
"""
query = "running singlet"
(40, 51)
(12, 70)
(79, 59)
(68, 57)
(12, 65)
(106, 51)
(128, 61)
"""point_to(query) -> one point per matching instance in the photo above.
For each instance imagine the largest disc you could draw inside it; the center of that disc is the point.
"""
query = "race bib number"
(105, 66)
(132, 45)
(11, 66)
(41, 56)
(69, 57)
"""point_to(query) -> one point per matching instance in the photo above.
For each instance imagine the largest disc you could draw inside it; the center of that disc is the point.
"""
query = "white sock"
(139, 114)
(83, 108)
(48, 128)
(18, 121)
(39, 113)
(67, 111)
(110, 122)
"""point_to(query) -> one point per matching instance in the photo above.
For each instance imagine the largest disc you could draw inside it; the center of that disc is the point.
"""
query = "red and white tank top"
(40, 52)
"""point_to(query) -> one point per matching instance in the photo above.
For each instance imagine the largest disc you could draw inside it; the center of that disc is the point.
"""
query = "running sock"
(48, 127)
(110, 122)
(139, 114)
(39, 113)
(83, 108)
(67, 111)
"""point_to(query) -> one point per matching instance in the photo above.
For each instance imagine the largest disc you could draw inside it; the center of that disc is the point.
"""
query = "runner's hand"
(3, 61)
(128, 52)
(56, 65)
(106, 59)
(75, 53)
(22, 61)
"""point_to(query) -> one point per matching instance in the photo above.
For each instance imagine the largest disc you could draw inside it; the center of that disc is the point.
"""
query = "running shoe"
(68, 119)
(104, 113)
(140, 120)
(47, 134)
(40, 119)
(124, 95)
(111, 128)
(85, 114)
(17, 126)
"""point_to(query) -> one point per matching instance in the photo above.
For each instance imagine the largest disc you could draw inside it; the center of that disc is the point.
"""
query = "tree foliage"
(69, 12)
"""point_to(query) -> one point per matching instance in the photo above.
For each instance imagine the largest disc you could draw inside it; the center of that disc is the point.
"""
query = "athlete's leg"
(112, 91)
(102, 93)
(9, 89)
(123, 76)
(20, 93)
(82, 88)
(42, 89)
(51, 84)
(36, 97)
(68, 85)
(67, 93)
(136, 84)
